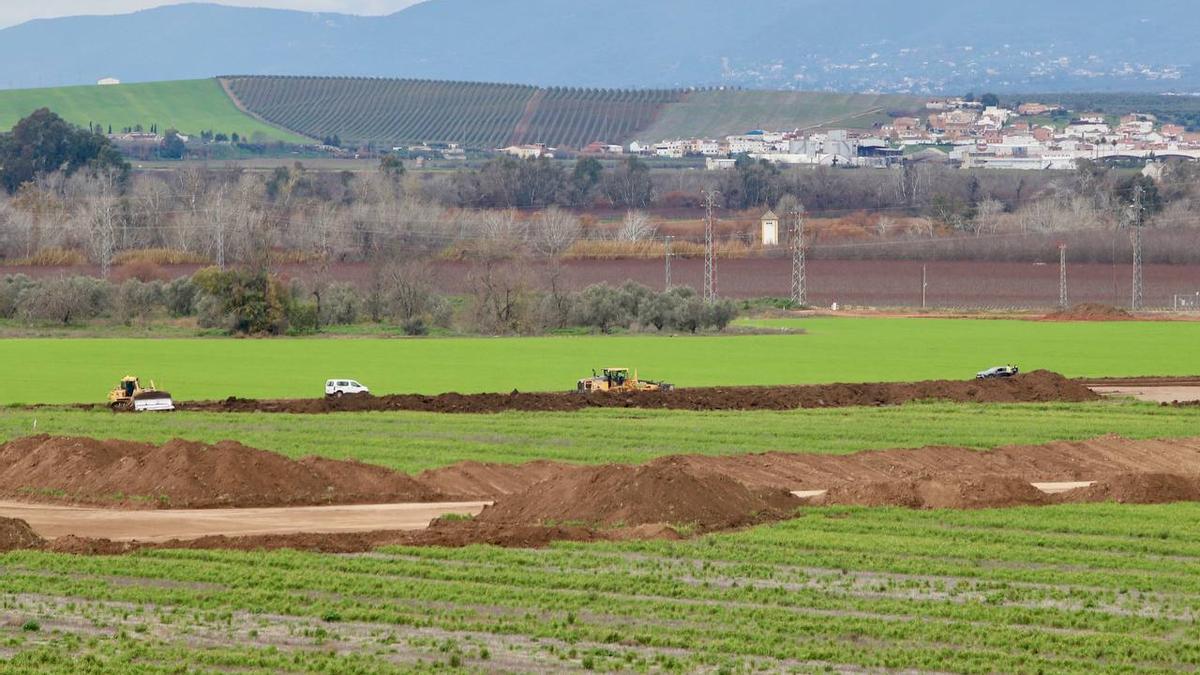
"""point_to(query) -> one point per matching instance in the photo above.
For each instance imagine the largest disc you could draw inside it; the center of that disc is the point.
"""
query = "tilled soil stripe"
(163, 525)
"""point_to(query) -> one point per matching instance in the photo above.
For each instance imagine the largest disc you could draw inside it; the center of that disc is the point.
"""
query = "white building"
(770, 228)
(107, 81)
(672, 149)
(529, 151)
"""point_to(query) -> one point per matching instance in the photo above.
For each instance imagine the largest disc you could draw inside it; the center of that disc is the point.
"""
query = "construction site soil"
(185, 474)
(1033, 387)
(542, 502)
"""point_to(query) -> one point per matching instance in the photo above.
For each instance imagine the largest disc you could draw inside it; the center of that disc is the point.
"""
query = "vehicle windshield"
(354, 384)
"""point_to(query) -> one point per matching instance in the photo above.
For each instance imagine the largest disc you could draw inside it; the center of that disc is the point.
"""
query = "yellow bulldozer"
(129, 394)
(619, 379)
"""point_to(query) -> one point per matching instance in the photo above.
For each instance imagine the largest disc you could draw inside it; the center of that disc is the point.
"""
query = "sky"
(13, 12)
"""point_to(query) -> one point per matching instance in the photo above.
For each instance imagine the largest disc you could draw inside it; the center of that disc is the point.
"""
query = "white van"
(339, 387)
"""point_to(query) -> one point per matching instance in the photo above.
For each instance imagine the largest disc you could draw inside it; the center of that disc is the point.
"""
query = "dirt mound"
(16, 534)
(1138, 488)
(1090, 311)
(482, 481)
(663, 491)
(1034, 387)
(185, 474)
(939, 493)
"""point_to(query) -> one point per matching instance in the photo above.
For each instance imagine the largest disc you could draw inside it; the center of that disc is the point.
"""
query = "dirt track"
(164, 525)
(1153, 393)
(1035, 387)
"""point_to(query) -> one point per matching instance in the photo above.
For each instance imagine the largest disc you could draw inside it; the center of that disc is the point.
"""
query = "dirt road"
(120, 525)
(1154, 394)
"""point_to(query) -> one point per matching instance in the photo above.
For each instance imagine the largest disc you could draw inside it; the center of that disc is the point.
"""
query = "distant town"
(973, 134)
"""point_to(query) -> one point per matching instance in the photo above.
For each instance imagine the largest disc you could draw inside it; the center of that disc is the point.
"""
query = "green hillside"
(719, 113)
(188, 105)
(475, 114)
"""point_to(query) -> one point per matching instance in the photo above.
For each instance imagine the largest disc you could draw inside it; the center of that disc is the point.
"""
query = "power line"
(1062, 276)
(667, 256)
(710, 261)
(1136, 218)
(799, 294)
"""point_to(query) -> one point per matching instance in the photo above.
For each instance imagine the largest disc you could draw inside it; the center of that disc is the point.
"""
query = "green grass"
(191, 106)
(1085, 588)
(716, 114)
(834, 349)
(415, 441)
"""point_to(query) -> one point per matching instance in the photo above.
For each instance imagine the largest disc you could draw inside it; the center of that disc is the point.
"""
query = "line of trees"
(244, 301)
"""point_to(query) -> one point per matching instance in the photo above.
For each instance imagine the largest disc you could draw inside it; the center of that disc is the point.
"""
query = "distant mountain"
(931, 46)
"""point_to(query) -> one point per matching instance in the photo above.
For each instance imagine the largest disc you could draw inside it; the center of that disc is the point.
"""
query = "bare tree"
(102, 215)
(636, 227)
(501, 293)
(554, 231)
(987, 216)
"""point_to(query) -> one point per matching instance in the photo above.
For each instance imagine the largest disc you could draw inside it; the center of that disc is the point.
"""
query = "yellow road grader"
(618, 379)
(129, 394)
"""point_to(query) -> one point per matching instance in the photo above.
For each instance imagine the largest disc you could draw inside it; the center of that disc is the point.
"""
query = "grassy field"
(716, 114)
(415, 441)
(847, 350)
(1090, 588)
(191, 106)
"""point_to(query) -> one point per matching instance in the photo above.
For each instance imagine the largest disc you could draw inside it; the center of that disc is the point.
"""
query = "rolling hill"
(930, 47)
(191, 106)
(718, 113)
(474, 114)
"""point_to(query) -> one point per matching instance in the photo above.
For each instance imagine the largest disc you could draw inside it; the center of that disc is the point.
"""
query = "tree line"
(244, 301)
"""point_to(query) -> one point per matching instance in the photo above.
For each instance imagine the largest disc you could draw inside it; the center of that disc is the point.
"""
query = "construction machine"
(619, 379)
(129, 394)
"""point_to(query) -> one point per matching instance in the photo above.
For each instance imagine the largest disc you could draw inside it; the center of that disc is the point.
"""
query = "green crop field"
(412, 442)
(832, 350)
(190, 106)
(1089, 588)
(719, 113)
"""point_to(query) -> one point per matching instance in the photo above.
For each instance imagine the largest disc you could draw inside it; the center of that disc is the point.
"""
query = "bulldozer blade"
(156, 401)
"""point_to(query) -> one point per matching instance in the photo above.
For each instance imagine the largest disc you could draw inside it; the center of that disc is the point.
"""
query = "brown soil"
(938, 493)
(662, 491)
(16, 534)
(184, 474)
(544, 501)
(1090, 311)
(1058, 461)
(1034, 387)
(1138, 488)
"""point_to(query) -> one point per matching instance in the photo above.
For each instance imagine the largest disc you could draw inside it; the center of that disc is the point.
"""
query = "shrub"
(66, 300)
(415, 326)
(720, 313)
(600, 307)
(10, 290)
(254, 301)
(138, 300)
(180, 297)
(302, 317)
(339, 305)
